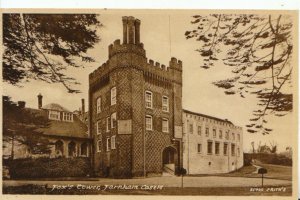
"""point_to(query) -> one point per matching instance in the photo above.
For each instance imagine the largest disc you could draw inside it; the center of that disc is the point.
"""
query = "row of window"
(55, 115)
(113, 99)
(199, 131)
(209, 120)
(110, 143)
(149, 124)
(217, 148)
(149, 101)
(111, 122)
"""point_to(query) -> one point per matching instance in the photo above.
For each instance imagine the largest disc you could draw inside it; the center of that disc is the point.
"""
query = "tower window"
(98, 104)
(149, 122)
(165, 125)
(113, 120)
(113, 142)
(165, 103)
(108, 144)
(107, 124)
(148, 99)
(99, 146)
(113, 95)
(98, 128)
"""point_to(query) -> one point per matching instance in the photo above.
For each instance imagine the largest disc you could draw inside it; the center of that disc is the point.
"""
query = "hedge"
(49, 168)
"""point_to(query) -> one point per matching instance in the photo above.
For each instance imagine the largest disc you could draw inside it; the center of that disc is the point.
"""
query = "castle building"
(211, 145)
(135, 110)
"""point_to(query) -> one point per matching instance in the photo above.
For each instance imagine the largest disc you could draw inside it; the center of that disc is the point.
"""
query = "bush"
(49, 167)
(268, 158)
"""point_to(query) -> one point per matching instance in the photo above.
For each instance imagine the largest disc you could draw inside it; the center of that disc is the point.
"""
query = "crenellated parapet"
(175, 64)
(118, 48)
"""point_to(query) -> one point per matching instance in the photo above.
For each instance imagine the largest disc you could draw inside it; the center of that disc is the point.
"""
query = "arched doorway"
(72, 149)
(169, 159)
(59, 148)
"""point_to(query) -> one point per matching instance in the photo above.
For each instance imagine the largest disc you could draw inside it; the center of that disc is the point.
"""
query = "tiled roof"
(76, 129)
(55, 106)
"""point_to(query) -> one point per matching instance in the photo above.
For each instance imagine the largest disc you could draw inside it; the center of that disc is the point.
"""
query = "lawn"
(274, 171)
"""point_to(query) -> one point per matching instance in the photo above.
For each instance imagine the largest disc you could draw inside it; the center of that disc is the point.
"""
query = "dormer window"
(68, 117)
(54, 115)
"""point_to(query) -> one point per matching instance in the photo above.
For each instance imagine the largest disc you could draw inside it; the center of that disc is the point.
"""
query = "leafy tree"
(257, 50)
(21, 126)
(42, 46)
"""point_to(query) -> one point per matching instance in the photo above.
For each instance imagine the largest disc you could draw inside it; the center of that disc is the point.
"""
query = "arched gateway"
(170, 159)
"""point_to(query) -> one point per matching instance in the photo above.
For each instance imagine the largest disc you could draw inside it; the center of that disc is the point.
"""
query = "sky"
(163, 37)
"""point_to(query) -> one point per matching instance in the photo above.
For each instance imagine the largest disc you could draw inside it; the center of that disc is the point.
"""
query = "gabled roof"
(55, 106)
(76, 129)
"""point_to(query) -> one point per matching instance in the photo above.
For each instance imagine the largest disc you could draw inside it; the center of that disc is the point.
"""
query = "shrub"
(49, 167)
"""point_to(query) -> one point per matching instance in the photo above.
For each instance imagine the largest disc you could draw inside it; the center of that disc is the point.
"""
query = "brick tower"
(135, 110)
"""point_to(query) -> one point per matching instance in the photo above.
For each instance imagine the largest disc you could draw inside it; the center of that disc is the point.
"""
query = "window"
(55, 115)
(149, 122)
(220, 134)
(108, 144)
(113, 96)
(239, 137)
(99, 146)
(165, 104)
(232, 149)
(199, 148)
(67, 117)
(98, 104)
(113, 118)
(206, 132)
(107, 124)
(209, 147)
(113, 142)
(165, 125)
(238, 152)
(233, 136)
(199, 130)
(98, 125)
(191, 128)
(227, 135)
(225, 149)
(214, 133)
(217, 148)
(148, 99)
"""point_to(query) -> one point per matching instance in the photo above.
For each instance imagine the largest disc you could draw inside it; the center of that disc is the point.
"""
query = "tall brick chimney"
(40, 101)
(82, 107)
(131, 30)
(21, 104)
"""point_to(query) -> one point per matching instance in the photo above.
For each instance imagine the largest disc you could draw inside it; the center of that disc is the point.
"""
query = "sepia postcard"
(177, 103)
